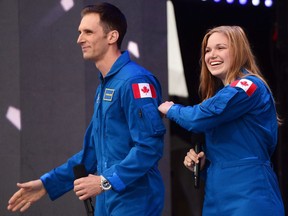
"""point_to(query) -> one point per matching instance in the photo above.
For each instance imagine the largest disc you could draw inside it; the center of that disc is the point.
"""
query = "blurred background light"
(255, 2)
(67, 4)
(265, 3)
(268, 3)
(243, 2)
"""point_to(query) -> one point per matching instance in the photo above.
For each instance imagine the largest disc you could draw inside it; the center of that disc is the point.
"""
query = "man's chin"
(85, 57)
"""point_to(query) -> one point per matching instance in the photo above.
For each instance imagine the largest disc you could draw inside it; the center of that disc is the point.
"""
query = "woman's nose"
(213, 54)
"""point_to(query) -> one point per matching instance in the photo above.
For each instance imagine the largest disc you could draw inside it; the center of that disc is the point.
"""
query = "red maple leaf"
(244, 83)
(145, 90)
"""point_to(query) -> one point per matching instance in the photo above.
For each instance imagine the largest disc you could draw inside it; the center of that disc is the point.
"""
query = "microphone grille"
(79, 171)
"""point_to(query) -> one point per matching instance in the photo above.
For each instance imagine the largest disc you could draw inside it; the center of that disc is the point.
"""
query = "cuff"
(117, 184)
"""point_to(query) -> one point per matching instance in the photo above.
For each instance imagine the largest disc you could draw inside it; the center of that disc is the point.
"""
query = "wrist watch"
(105, 185)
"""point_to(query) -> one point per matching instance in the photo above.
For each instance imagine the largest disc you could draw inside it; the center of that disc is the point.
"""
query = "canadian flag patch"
(247, 85)
(143, 90)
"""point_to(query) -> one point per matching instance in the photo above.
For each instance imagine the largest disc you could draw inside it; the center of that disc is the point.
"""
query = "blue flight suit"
(123, 142)
(240, 126)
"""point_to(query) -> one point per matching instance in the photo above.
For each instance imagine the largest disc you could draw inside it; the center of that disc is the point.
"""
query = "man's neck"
(106, 63)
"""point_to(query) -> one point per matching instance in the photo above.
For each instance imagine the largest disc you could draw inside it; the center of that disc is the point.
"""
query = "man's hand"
(28, 193)
(87, 187)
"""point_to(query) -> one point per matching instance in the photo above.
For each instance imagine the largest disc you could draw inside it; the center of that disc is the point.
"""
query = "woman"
(240, 122)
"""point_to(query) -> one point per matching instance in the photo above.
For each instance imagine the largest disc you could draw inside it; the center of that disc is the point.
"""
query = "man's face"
(92, 39)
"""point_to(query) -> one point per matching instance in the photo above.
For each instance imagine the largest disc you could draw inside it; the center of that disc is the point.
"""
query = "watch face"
(106, 185)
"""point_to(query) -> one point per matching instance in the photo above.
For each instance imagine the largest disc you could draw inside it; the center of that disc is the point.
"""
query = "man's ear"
(113, 36)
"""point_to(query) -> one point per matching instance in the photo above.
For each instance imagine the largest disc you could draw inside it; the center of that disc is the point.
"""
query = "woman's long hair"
(243, 58)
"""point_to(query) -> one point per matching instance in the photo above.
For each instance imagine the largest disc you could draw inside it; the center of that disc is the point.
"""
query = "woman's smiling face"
(218, 56)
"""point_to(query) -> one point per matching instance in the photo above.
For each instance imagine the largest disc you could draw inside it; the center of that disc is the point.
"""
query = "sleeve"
(228, 104)
(60, 180)
(141, 98)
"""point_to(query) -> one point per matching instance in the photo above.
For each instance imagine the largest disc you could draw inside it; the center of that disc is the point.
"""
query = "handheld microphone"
(79, 172)
(197, 167)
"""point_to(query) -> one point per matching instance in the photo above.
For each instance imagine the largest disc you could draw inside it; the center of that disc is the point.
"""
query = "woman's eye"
(221, 47)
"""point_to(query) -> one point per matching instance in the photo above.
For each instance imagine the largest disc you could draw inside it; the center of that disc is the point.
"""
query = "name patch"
(108, 94)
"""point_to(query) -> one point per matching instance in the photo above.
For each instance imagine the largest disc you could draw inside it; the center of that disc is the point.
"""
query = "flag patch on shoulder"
(143, 90)
(247, 85)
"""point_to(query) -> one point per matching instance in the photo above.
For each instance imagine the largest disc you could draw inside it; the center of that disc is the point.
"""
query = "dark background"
(44, 76)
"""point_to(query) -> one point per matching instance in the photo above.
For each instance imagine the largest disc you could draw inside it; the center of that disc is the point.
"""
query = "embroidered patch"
(247, 85)
(143, 90)
(108, 94)
(98, 98)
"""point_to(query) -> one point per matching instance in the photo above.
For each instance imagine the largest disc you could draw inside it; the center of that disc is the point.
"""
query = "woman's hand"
(192, 158)
(164, 107)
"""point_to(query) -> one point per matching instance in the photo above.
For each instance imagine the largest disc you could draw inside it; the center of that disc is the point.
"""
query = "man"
(124, 140)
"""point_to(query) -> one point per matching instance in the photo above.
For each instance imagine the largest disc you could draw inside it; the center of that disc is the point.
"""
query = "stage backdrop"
(47, 89)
